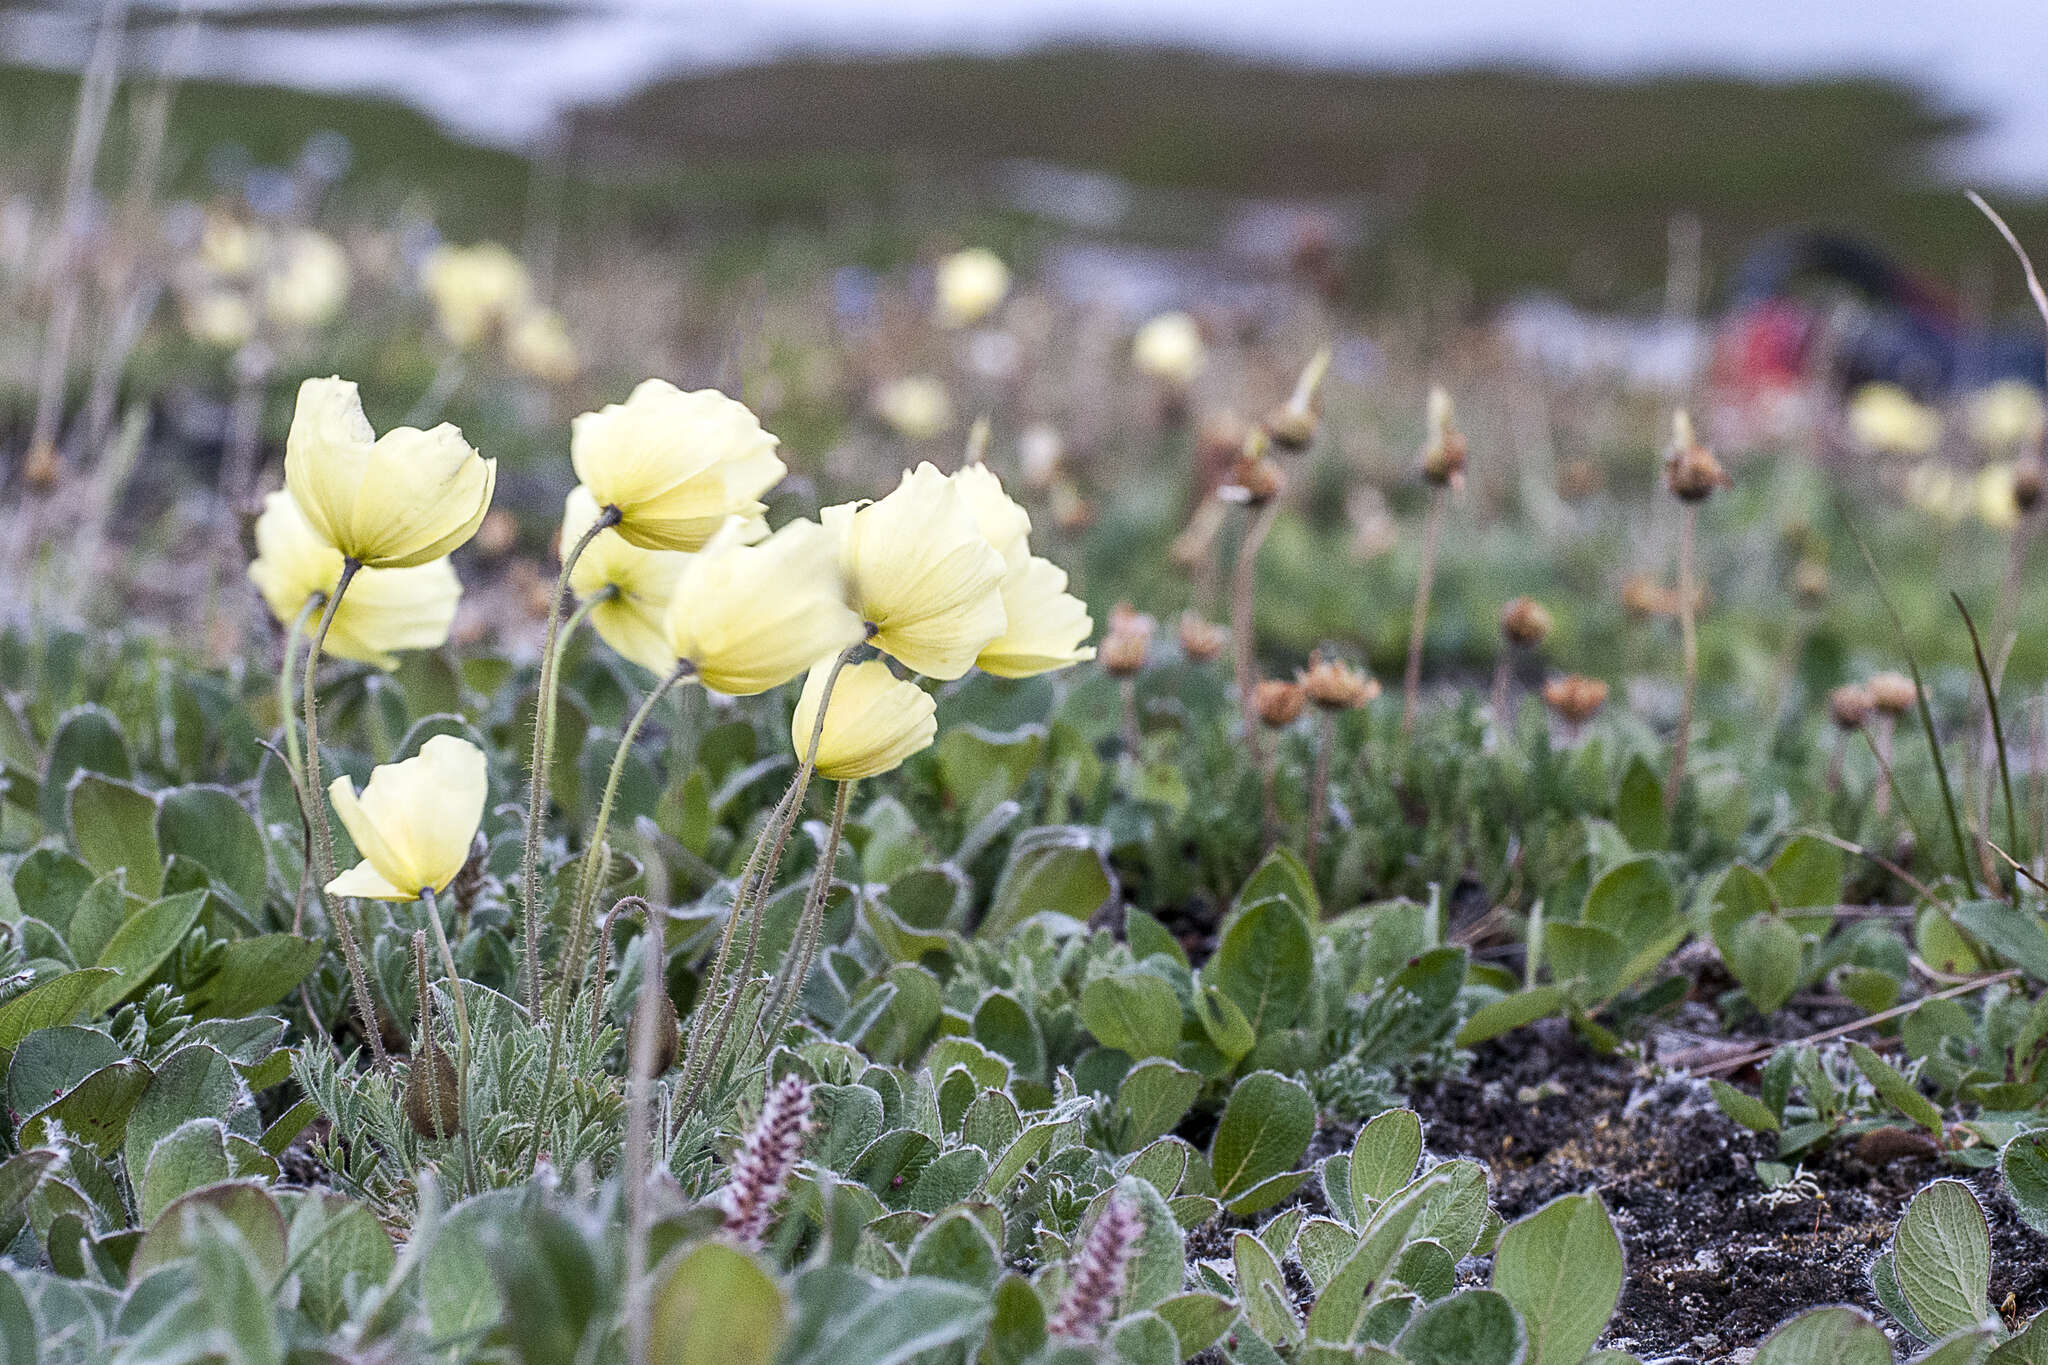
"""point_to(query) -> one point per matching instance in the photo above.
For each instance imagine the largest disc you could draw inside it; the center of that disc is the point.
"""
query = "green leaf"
(457, 1290)
(51, 1061)
(1896, 1089)
(1153, 1097)
(716, 1307)
(1158, 1264)
(956, 1246)
(96, 1110)
(113, 825)
(1807, 875)
(140, 946)
(50, 1003)
(1941, 1255)
(1561, 1267)
(1283, 874)
(196, 1081)
(86, 740)
(1016, 1332)
(250, 974)
(1199, 1320)
(334, 1243)
(1229, 1032)
(1745, 1108)
(1059, 869)
(1265, 1131)
(1265, 962)
(189, 1157)
(1826, 1336)
(1477, 1327)
(1383, 1160)
(209, 826)
(2024, 1164)
(1135, 1012)
(844, 1315)
(1511, 1012)
(1639, 807)
(1765, 954)
(2016, 937)
(250, 1209)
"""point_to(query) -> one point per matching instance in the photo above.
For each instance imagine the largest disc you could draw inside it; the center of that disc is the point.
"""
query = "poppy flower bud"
(1127, 643)
(1278, 703)
(1892, 694)
(1849, 707)
(1525, 623)
(1443, 454)
(433, 1103)
(1336, 686)
(1292, 425)
(1690, 470)
(1576, 698)
(1256, 480)
(1201, 639)
(2029, 479)
(667, 1032)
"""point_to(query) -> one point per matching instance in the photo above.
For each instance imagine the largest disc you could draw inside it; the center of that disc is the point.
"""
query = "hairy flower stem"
(543, 753)
(462, 1048)
(1689, 646)
(641, 1051)
(1418, 624)
(627, 905)
(1319, 787)
(701, 1058)
(788, 986)
(586, 886)
(1244, 588)
(1127, 693)
(323, 833)
(1881, 749)
(295, 632)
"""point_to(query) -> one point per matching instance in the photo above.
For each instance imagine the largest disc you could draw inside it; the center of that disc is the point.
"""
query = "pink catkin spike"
(1096, 1277)
(762, 1166)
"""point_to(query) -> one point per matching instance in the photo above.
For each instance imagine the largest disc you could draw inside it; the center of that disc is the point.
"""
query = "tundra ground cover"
(912, 887)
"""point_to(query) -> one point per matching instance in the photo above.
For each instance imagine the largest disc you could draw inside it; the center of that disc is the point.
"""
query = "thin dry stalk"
(1244, 589)
(1689, 646)
(1411, 681)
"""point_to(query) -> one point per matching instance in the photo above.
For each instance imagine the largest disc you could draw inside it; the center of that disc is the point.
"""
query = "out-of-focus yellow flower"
(539, 345)
(874, 721)
(384, 611)
(387, 502)
(219, 317)
(750, 617)
(2007, 415)
(921, 574)
(309, 282)
(675, 464)
(474, 289)
(227, 246)
(1169, 347)
(916, 407)
(1933, 488)
(631, 617)
(971, 284)
(1991, 497)
(413, 822)
(1002, 522)
(1884, 417)
(1046, 624)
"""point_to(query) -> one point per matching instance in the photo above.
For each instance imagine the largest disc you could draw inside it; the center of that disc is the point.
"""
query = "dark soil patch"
(1715, 1261)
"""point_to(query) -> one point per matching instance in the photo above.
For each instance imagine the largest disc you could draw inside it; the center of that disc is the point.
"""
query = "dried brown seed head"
(1278, 703)
(1201, 639)
(1525, 622)
(1576, 698)
(1334, 685)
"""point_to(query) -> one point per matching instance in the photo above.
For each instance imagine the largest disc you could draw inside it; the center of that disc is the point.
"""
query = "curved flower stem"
(285, 692)
(700, 1058)
(323, 833)
(627, 905)
(572, 976)
(462, 1048)
(1689, 645)
(640, 1052)
(1418, 626)
(796, 967)
(1244, 585)
(543, 751)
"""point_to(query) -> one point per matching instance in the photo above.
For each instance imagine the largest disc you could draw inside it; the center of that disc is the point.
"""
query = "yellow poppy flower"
(631, 619)
(874, 722)
(920, 573)
(675, 464)
(916, 406)
(1884, 417)
(413, 822)
(384, 611)
(387, 502)
(1002, 522)
(310, 282)
(539, 345)
(1169, 347)
(971, 284)
(474, 289)
(750, 617)
(1047, 624)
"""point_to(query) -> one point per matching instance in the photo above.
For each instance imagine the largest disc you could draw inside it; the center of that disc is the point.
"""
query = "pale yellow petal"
(1046, 626)
(365, 883)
